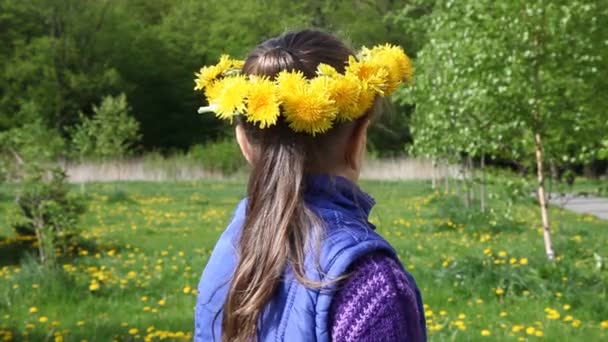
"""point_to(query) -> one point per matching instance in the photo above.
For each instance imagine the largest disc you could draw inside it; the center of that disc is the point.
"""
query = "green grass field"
(482, 276)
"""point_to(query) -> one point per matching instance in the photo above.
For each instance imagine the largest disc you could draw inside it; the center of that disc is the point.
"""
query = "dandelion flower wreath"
(310, 106)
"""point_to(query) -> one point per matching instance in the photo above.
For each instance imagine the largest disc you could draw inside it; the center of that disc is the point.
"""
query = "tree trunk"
(471, 181)
(542, 199)
(38, 226)
(482, 185)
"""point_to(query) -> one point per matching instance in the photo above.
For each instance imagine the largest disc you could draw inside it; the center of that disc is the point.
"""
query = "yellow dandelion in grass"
(94, 286)
(43, 319)
(485, 332)
(395, 60)
(263, 102)
(227, 96)
(208, 74)
(500, 291)
(133, 331)
(187, 289)
(604, 324)
(33, 309)
(311, 109)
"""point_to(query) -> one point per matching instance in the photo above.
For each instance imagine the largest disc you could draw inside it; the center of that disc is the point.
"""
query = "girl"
(300, 261)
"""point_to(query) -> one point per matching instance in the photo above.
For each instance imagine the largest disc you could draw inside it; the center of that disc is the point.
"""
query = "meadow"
(483, 276)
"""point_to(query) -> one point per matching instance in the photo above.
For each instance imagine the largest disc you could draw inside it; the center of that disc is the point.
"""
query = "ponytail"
(278, 228)
(275, 234)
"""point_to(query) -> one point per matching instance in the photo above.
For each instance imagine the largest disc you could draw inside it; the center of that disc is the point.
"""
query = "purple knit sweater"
(376, 302)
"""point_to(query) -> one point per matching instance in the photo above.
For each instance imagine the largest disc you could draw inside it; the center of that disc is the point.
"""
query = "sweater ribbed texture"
(376, 303)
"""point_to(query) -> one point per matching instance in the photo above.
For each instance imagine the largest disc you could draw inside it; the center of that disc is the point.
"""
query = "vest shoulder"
(346, 239)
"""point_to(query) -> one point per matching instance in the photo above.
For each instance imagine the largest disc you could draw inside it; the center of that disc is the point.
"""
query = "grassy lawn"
(482, 276)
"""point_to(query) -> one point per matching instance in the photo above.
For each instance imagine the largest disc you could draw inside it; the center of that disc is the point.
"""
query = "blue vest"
(295, 313)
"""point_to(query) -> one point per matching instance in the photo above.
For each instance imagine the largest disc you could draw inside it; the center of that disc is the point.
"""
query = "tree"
(511, 80)
(110, 133)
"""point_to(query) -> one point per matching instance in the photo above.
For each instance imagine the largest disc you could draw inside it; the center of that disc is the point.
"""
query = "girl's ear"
(244, 144)
(357, 146)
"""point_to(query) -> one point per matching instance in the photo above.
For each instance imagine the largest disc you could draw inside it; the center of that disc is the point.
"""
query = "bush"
(47, 209)
(223, 156)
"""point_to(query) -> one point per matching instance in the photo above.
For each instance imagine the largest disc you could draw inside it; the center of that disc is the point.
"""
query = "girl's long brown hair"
(278, 227)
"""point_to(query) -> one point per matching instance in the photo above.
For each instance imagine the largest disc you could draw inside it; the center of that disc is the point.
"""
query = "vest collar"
(337, 192)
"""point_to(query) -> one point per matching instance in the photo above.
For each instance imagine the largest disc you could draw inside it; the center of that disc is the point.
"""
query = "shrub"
(223, 156)
(47, 209)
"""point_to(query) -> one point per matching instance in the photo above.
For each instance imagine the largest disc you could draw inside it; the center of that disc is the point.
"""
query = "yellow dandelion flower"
(576, 323)
(371, 74)
(530, 330)
(485, 332)
(94, 286)
(43, 319)
(226, 63)
(263, 102)
(500, 291)
(311, 110)
(187, 289)
(133, 331)
(291, 83)
(344, 91)
(327, 70)
(208, 74)
(604, 324)
(162, 302)
(227, 96)
(395, 60)
(366, 100)
(33, 309)
(523, 261)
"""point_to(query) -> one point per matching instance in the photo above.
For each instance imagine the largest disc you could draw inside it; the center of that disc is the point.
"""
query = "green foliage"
(486, 82)
(110, 133)
(48, 210)
(64, 56)
(223, 156)
(25, 144)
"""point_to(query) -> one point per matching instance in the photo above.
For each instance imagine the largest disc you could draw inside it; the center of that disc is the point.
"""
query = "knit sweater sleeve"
(378, 301)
